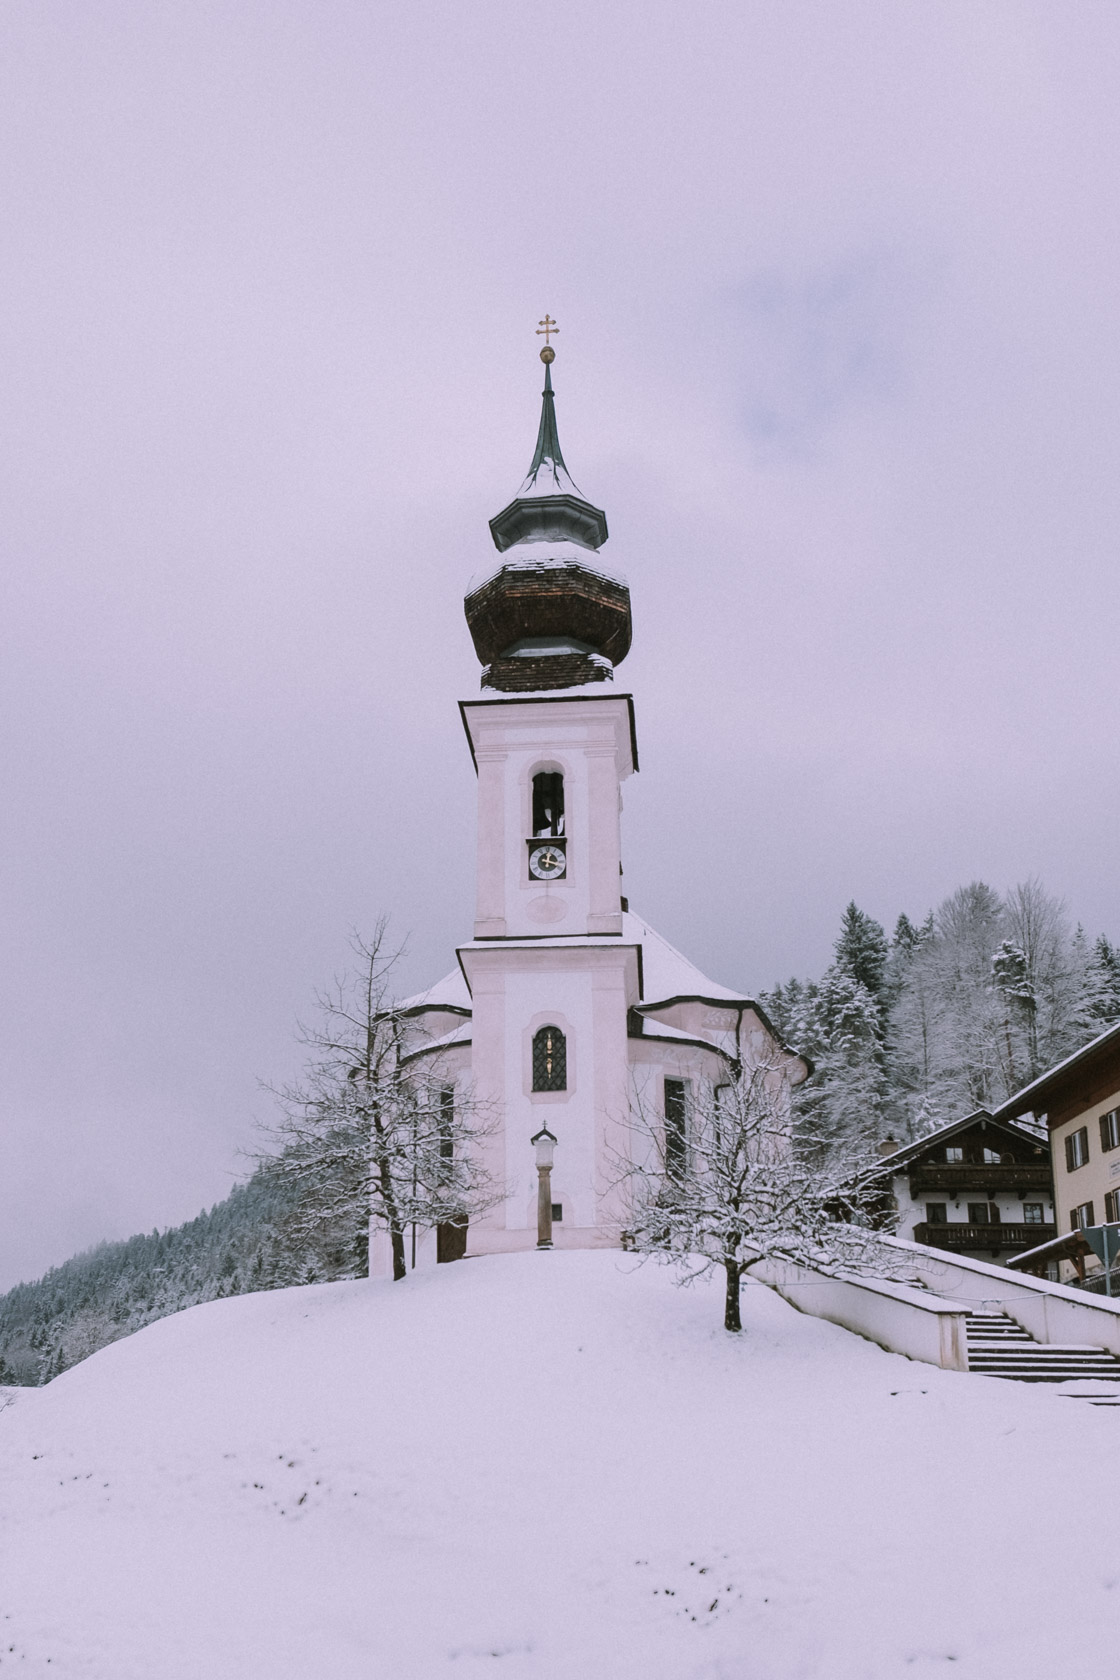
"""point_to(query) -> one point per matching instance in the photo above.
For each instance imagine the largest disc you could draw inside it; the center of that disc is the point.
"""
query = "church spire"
(549, 617)
(549, 507)
(548, 475)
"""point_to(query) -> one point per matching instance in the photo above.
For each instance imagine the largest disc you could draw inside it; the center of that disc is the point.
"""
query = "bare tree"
(369, 1135)
(723, 1186)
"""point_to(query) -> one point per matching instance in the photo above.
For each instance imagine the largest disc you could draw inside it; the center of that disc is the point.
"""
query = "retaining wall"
(1050, 1312)
(900, 1317)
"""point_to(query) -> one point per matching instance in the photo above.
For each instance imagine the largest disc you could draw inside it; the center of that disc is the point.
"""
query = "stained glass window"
(550, 1060)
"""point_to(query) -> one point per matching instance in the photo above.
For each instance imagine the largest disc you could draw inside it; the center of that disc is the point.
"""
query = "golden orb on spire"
(547, 326)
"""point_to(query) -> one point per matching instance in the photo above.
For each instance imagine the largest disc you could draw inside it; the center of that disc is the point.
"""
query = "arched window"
(548, 804)
(550, 1060)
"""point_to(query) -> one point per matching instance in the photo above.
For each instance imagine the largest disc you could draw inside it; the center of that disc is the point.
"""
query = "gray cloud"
(839, 354)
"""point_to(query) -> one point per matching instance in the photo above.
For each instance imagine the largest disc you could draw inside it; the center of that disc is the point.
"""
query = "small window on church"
(447, 1122)
(676, 1106)
(548, 804)
(550, 1060)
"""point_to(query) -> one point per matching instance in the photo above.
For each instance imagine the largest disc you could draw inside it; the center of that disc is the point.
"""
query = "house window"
(983, 1213)
(548, 804)
(676, 1106)
(1110, 1130)
(1081, 1216)
(550, 1060)
(954, 1155)
(992, 1157)
(1112, 1207)
(1077, 1149)
(937, 1213)
(1032, 1213)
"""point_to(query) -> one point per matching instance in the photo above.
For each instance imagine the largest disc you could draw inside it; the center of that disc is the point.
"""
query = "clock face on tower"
(547, 862)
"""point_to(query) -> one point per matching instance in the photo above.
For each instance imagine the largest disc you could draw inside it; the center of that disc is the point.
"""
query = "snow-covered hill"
(546, 1467)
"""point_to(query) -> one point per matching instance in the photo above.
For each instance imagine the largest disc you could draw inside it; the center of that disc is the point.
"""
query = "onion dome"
(549, 617)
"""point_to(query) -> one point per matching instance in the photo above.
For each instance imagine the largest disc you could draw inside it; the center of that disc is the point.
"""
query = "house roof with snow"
(1072, 1084)
(901, 1160)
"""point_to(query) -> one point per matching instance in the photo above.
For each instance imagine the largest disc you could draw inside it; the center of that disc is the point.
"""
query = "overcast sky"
(839, 355)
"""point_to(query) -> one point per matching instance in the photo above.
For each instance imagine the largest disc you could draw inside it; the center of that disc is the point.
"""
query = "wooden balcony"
(956, 1235)
(959, 1179)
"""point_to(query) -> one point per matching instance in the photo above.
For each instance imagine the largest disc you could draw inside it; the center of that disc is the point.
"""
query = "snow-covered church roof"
(667, 975)
(450, 993)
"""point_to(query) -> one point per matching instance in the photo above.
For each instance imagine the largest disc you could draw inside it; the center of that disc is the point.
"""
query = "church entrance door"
(451, 1242)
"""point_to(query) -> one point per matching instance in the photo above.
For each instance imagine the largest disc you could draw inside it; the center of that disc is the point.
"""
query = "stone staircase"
(998, 1347)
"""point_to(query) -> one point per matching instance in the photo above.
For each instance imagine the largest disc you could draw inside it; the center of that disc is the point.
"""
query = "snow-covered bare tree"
(724, 1186)
(367, 1137)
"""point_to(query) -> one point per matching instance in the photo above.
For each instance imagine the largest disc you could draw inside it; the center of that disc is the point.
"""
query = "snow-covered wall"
(901, 1319)
(1051, 1312)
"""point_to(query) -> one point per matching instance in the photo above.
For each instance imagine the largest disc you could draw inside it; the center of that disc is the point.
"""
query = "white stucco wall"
(588, 740)
(913, 1212)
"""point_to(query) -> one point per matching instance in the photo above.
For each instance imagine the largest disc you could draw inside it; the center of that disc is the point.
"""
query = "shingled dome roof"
(549, 617)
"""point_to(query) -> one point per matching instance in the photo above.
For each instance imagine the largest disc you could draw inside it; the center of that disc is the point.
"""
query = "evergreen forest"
(946, 1015)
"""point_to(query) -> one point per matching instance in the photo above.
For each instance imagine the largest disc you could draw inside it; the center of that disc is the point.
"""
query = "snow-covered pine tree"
(839, 1111)
(861, 949)
(840, 1024)
(1102, 984)
(971, 1005)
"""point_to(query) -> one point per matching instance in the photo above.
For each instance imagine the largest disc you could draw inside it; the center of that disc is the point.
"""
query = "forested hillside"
(255, 1239)
(950, 1014)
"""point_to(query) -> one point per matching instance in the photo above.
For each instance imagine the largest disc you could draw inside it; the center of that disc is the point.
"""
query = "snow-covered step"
(998, 1347)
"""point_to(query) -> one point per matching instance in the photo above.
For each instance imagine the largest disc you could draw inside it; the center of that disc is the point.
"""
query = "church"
(565, 1008)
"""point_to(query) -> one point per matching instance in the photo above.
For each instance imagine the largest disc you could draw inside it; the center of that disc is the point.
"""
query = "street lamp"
(544, 1143)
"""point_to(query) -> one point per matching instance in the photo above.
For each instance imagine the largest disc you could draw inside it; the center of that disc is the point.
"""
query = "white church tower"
(564, 1003)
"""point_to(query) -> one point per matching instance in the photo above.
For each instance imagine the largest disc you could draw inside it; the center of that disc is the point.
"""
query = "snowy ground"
(547, 1467)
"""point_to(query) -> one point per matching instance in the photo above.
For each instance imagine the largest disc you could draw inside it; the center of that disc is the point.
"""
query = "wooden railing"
(1001, 1176)
(957, 1234)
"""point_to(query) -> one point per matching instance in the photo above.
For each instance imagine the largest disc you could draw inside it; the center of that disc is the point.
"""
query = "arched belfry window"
(548, 804)
(550, 1060)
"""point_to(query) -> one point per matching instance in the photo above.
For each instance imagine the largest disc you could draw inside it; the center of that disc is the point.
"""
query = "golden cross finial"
(548, 325)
